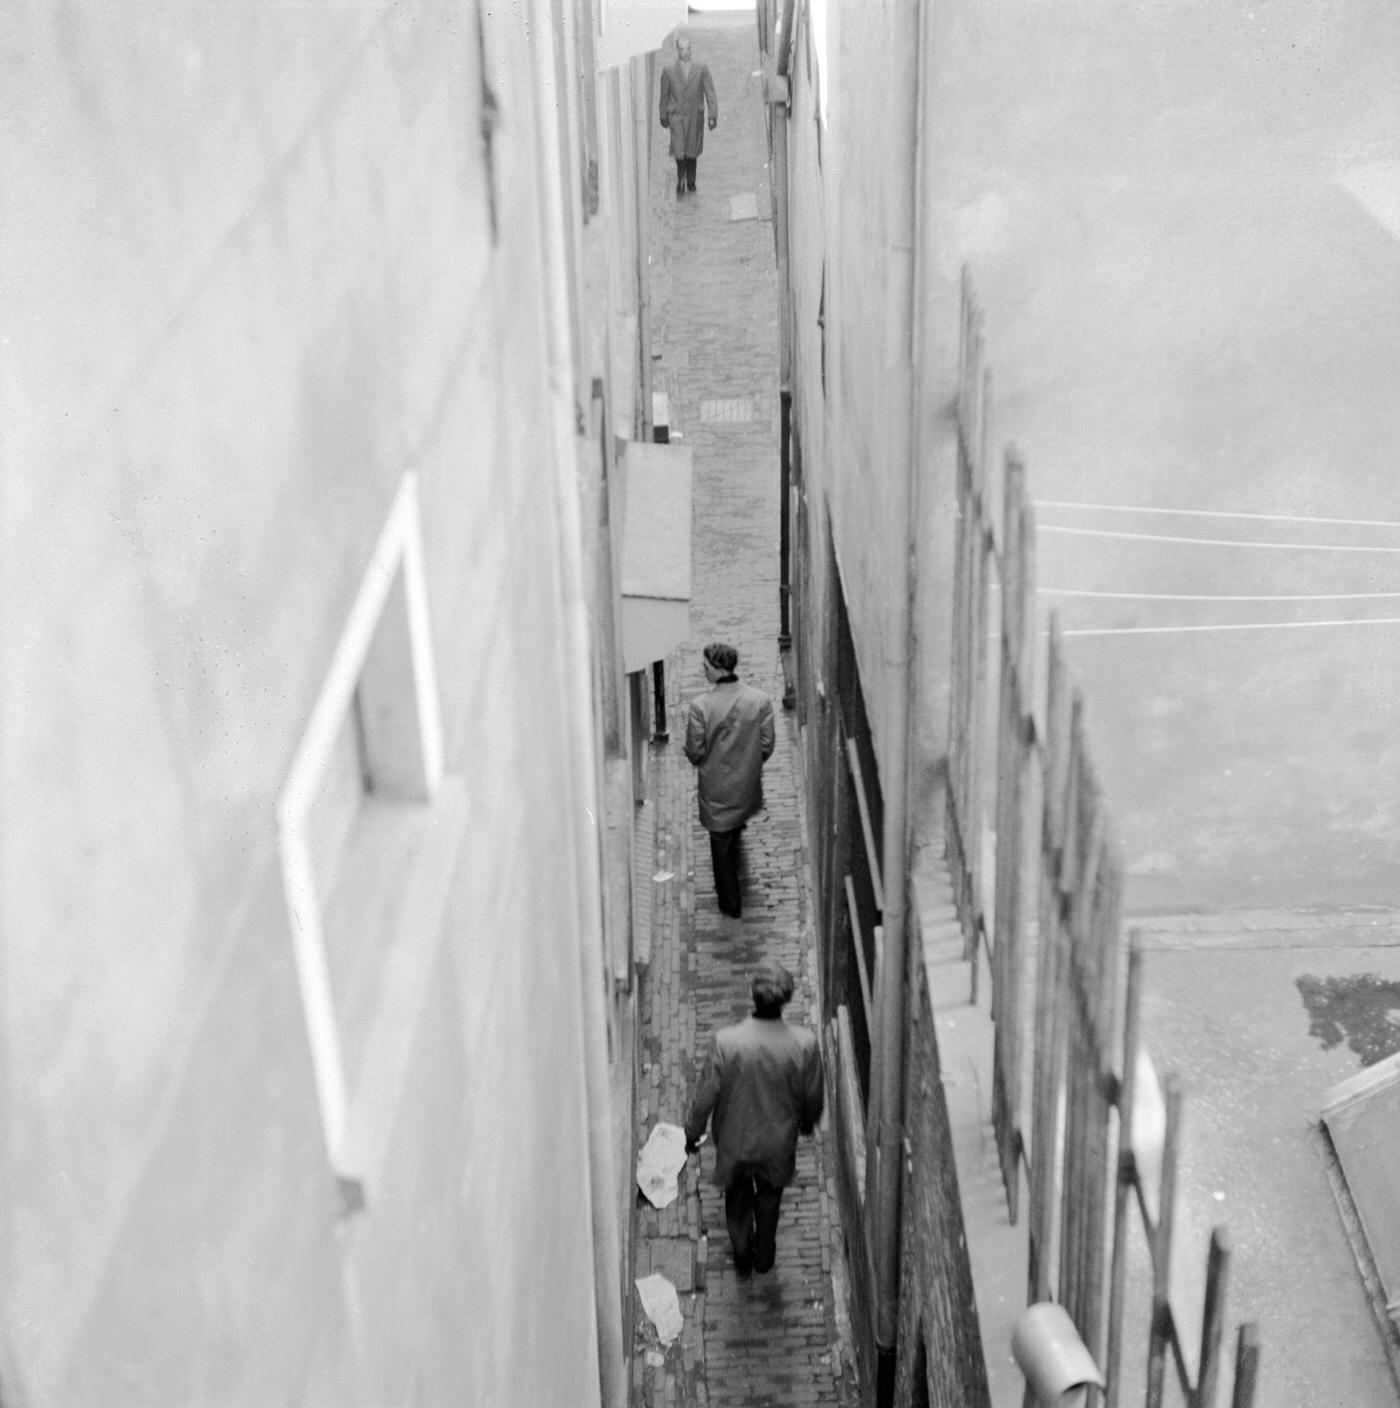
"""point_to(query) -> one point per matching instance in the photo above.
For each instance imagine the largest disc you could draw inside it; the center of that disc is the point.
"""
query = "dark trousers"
(751, 1207)
(724, 856)
(685, 171)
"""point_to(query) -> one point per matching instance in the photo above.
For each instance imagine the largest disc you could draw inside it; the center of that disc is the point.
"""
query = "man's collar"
(728, 679)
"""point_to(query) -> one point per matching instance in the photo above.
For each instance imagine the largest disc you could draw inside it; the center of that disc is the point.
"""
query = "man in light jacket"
(762, 1087)
(728, 736)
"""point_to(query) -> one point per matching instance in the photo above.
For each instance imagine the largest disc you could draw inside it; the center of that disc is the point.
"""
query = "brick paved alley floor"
(776, 1339)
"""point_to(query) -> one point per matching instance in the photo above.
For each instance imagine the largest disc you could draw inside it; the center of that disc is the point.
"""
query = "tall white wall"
(249, 280)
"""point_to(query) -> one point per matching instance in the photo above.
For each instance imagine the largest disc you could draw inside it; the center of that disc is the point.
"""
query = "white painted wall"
(249, 281)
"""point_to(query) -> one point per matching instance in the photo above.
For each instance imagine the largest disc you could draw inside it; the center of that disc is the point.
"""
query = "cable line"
(1212, 542)
(1237, 626)
(1168, 596)
(1217, 513)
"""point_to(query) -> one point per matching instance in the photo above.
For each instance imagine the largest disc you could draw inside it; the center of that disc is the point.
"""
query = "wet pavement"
(1261, 1015)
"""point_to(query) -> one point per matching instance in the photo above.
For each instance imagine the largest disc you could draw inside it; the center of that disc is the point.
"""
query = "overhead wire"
(1128, 535)
(1231, 626)
(1219, 513)
(1214, 542)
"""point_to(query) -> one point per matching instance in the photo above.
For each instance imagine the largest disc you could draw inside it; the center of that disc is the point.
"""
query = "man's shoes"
(680, 189)
(732, 913)
(690, 186)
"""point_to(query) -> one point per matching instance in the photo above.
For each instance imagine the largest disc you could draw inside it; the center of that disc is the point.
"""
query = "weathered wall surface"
(866, 487)
(846, 255)
(250, 279)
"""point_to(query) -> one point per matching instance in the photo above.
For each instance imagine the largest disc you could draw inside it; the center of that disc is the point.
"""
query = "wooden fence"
(971, 587)
(1079, 1108)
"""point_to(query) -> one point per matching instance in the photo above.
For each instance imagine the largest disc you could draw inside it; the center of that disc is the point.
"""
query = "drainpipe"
(778, 125)
(639, 66)
(565, 417)
(902, 129)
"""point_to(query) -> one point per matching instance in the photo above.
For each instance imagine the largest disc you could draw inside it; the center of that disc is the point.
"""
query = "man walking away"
(762, 1087)
(728, 736)
(686, 89)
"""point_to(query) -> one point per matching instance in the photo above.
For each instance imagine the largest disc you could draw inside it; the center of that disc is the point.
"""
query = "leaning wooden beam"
(867, 1003)
(1247, 1352)
(1046, 1086)
(1213, 1319)
(1162, 1333)
(1127, 1171)
(872, 855)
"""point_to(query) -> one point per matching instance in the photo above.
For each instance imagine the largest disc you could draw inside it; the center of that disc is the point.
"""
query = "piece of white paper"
(662, 1305)
(661, 1160)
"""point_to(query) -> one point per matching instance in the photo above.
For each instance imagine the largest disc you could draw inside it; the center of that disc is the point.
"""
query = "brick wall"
(936, 1304)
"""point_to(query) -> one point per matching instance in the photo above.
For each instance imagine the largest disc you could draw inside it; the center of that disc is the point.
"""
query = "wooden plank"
(1101, 984)
(1126, 1172)
(1010, 805)
(1044, 1161)
(1247, 1351)
(977, 708)
(835, 843)
(1057, 725)
(861, 968)
(1092, 902)
(863, 806)
(1162, 1333)
(1213, 1319)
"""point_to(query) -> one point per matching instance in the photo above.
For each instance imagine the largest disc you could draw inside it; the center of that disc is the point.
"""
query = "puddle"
(1360, 1009)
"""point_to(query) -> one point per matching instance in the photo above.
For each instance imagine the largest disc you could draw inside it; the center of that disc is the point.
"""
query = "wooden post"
(1246, 1366)
(1127, 1171)
(1101, 993)
(1075, 1016)
(1213, 1319)
(1161, 1242)
(1009, 812)
(1044, 1181)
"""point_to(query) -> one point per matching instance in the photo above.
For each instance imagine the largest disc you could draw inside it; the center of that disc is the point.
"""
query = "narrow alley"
(778, 1338)
(1030, 431)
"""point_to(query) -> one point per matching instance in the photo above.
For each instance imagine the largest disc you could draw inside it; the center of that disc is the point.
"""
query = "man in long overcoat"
(762, 1087)
(728, 736)
(686, 90)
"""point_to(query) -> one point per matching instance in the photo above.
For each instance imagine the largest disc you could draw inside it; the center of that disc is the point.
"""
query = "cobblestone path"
(777, 1339)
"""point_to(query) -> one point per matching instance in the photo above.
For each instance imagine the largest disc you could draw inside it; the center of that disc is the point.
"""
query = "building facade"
(319, 367)
(871, 510)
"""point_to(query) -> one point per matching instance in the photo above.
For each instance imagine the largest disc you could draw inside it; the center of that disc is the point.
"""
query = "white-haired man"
(686, 91)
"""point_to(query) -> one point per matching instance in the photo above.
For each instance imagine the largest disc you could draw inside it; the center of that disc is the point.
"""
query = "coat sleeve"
(665, 98)
(712, 102)
(766, 736)
(705, 1095)
(813, 1088)
(695, 744)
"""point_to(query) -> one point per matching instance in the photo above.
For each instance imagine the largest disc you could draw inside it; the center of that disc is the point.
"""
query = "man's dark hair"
(722, 657)
(771, 988)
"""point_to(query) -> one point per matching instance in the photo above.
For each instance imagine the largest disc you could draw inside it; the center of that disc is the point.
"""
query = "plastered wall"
(250, 279)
